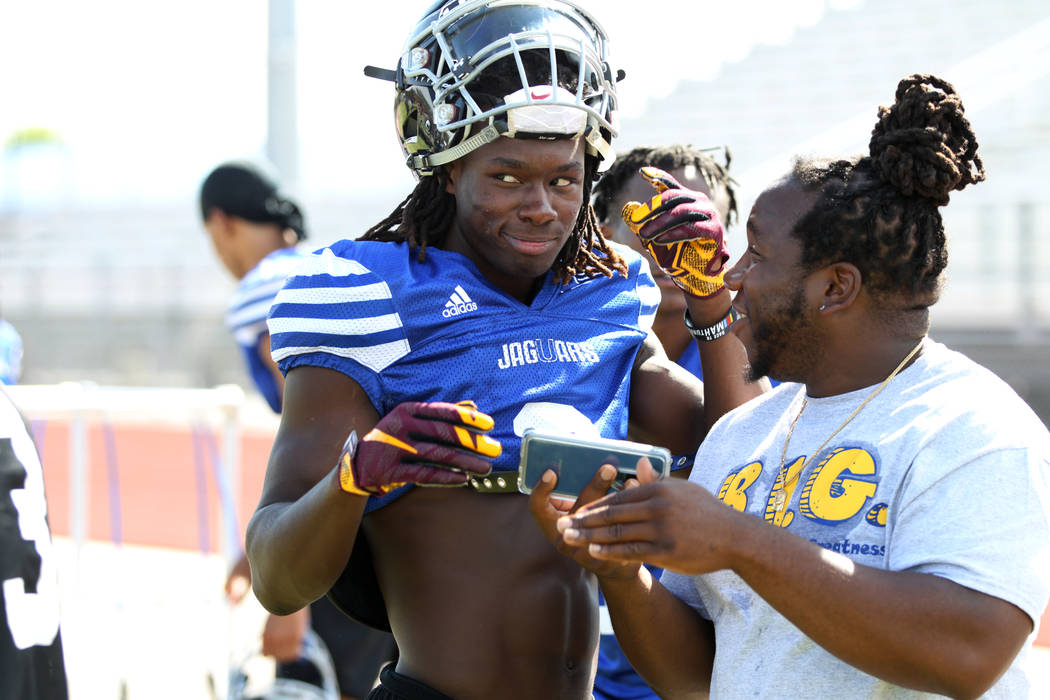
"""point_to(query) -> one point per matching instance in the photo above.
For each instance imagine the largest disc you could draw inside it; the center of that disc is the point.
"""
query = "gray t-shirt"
(945, 472)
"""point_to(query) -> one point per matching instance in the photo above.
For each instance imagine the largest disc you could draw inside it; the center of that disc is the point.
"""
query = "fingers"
(625, 551)
(450, 458)
(680, 226)
(619, 528)
(645, 471)
(597, 487)
(465, 412)
(630, 542)
(616, 533)
(629, 212)
(660, 179)
(451, 424)
(678, 216)
(539, 499)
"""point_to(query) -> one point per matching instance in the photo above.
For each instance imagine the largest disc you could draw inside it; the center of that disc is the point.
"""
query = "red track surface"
(157, 473)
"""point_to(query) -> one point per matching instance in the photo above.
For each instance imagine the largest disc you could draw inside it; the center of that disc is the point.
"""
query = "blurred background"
(113, 111)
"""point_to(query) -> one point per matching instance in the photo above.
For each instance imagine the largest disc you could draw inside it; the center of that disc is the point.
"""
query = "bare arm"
(263, 349)
(668, 643)
(671, 407)
(300, 537)
(915, 630)
(724, 362)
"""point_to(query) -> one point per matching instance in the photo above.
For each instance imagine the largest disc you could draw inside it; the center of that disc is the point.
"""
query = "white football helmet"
(440, 115)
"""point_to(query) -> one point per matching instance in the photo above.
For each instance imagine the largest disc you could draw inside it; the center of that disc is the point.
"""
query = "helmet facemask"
(475, 70)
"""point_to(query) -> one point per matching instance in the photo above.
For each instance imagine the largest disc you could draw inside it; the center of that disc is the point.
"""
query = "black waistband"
(408, 688)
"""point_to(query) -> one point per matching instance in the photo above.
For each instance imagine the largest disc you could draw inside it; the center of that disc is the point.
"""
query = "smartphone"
(576, 460)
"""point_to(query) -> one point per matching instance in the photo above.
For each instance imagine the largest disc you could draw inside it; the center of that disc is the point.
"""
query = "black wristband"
(715, 330)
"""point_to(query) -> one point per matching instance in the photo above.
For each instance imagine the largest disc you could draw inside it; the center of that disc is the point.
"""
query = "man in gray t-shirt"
(888, 528)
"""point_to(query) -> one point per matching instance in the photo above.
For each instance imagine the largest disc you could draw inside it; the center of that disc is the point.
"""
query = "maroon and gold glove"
(419, 443)
(680, 229)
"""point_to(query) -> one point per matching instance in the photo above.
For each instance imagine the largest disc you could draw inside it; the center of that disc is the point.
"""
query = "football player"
(254, 229)
(31, 663)
(696, 169)
(487, 303)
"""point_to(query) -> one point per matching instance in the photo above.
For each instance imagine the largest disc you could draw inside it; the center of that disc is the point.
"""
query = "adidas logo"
(458, 303)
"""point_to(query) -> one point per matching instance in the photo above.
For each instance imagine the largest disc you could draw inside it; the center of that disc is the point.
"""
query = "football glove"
(419, 443)
(681, 230)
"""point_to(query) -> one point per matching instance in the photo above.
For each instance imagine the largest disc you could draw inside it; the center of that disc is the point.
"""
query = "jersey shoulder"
(630, 299)
(339, 302)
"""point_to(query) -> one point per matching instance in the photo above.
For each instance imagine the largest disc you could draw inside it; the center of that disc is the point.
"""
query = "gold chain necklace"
(780, 497)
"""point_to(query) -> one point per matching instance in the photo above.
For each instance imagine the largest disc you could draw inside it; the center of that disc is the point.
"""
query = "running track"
(160, 492)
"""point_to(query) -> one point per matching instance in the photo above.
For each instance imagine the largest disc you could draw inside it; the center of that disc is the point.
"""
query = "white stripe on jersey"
(249, 295)
(335, 326)
(319, 312)
(326, 263)
(249, 315)
(319, 296)
(375, 357)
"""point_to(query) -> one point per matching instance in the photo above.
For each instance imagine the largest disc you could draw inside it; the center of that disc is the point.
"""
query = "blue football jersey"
(440, 331)
(246, 316)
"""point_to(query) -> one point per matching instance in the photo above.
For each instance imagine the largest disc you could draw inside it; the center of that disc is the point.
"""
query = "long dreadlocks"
(880, 212)
(424, 217)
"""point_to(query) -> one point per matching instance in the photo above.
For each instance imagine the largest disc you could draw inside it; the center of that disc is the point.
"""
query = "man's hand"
(548, 512)
(419, 443)
(681, 230)
(673, 524)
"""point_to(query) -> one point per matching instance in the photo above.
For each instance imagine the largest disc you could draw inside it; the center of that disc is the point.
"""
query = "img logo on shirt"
(458, 303)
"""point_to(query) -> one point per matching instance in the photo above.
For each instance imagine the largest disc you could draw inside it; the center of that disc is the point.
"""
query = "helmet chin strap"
(429, 161)
(597, 145)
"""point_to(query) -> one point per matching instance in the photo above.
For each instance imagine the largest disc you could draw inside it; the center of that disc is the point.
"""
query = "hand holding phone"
(576, 460)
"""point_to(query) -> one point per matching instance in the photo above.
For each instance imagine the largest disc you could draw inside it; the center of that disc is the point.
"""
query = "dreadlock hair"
(666, 158)
(880, 212)
(425, 216)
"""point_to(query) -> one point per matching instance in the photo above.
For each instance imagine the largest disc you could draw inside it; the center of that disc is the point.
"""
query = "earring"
(823, 307)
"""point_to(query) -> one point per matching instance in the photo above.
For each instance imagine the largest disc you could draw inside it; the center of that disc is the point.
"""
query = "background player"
(254, 229)
(31, 663)
(696, 170)
(491, 282)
